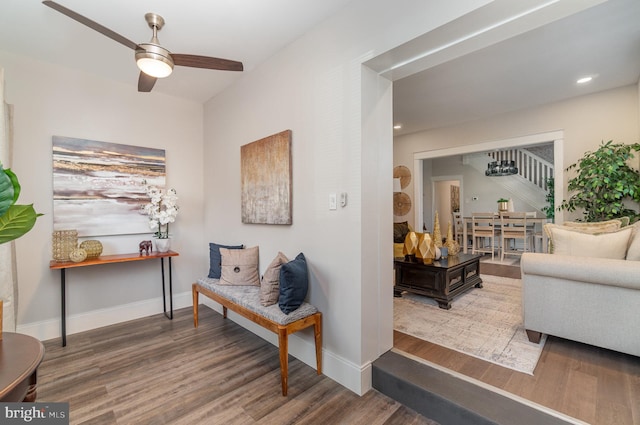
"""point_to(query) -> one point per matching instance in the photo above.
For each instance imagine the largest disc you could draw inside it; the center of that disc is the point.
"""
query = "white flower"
(161, 209)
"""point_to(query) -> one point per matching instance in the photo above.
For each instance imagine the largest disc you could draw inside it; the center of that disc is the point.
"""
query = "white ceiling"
(248, 31)
(536, 67)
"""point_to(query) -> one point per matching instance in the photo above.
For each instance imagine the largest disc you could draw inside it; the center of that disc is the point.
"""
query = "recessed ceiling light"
(584, 80)
(397, 127)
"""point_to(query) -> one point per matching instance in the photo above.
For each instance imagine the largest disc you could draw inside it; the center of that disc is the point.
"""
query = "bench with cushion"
(249, 301)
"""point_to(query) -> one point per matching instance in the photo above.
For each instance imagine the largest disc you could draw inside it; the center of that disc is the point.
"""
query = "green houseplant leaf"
(604, 180)
(15, 220)
(7, 190)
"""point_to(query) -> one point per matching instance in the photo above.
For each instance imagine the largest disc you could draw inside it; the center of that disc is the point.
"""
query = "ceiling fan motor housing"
(148, 54)
(153, 52)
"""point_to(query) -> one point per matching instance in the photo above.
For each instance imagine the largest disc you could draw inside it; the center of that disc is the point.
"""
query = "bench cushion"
(249, 298)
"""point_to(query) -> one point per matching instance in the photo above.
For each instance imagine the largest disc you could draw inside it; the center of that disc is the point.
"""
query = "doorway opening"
(422, 160)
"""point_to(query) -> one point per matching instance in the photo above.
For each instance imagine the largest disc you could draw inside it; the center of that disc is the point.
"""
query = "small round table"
(20, 356)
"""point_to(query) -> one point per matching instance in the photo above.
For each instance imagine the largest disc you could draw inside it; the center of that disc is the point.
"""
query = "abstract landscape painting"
(265, 170)
(98, 187)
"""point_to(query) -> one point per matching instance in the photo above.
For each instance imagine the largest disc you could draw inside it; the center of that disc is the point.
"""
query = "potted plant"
(604, 181)
(162, 210)
(15, 220)
(503, 204)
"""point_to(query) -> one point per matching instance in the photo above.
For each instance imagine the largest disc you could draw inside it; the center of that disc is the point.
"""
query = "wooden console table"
(109, 259)
(20, 356)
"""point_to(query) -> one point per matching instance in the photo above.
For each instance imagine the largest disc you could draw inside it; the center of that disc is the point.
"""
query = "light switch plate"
(333, 201)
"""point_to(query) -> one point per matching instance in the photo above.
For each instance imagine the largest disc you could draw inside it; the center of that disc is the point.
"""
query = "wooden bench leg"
(283, 344)
(195, 294)
(317, 330)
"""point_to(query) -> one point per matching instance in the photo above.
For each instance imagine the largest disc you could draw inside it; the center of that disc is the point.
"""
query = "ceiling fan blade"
(206, 62)
(91, 24)
(146, 82)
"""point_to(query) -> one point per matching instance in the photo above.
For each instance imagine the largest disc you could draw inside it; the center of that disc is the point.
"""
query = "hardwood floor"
(595, 385)
(153, 370)
(157, 371)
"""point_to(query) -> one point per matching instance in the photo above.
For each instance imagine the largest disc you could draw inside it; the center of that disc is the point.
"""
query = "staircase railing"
(530, 167)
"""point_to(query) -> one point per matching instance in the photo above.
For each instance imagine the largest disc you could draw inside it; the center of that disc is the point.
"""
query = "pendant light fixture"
(501, 168)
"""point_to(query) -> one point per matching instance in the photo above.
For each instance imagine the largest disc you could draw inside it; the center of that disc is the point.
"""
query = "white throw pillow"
(633, 252)
(606, 245)
(594, 227)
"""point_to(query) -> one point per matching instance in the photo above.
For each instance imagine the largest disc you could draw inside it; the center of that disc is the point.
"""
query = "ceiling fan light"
(154, 67)
(154, 60)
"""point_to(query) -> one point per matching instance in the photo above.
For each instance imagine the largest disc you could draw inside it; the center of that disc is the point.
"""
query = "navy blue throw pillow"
(215, 259)
(294, 284)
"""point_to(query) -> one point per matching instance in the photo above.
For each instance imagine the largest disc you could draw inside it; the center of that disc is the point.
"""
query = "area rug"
(483, 322)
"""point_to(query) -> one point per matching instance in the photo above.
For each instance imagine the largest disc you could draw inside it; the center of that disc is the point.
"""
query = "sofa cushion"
(633, 252)
(215, 260)
(240, 266)
(249, 297)
(270, 282)
(294, 284)
(594, 227)
(566, 241)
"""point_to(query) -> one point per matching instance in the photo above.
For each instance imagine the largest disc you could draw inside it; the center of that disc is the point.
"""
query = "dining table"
(537, 221)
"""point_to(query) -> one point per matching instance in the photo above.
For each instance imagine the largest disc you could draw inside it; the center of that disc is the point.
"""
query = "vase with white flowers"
(161, 210)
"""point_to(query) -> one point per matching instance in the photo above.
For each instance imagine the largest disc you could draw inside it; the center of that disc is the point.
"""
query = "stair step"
(450, 398)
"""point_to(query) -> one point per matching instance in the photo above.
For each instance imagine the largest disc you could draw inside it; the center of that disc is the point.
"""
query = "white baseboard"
(49, 329)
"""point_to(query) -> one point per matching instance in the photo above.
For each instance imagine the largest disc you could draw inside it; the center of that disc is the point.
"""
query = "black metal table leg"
(164, 297)
(64, 307)
(170, 289)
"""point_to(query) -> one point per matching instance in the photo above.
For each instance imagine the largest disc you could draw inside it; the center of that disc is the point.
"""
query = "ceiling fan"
(153, 60)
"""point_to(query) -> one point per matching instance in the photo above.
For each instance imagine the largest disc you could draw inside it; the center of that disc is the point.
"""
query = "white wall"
(442, 200)
(586, 122)
(339, 114)
(52, 100)
(486, 189)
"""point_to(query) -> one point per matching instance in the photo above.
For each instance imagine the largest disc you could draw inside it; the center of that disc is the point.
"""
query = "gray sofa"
(590, 300)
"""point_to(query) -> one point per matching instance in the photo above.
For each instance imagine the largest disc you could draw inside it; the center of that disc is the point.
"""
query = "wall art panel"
(266, 180)
(98, 187)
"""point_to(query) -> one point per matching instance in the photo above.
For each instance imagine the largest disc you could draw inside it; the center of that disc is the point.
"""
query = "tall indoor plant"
(604, 181)
(549, 209)
(15, 220)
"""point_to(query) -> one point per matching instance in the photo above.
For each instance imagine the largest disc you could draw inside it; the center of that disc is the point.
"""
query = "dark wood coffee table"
(441, 280)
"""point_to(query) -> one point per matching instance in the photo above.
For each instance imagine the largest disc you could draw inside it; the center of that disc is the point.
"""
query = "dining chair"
(484, 233)
(537, 232)
(514, 228)
(457, 226)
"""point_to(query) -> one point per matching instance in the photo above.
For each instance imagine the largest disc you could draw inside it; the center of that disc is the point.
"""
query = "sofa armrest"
(602, 271)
